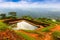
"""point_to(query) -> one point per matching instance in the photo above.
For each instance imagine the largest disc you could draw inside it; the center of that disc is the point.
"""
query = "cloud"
(42, 0)
(23, 4)
(30, 0)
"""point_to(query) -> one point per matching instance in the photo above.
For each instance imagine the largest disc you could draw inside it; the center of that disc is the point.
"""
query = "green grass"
(46, 29)
(31, 31)
(35, 32)
(56, 35)
(3, 26)
(25, 36)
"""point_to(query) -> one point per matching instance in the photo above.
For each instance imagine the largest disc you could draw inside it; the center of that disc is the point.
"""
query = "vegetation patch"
(56, 35)
(35, 32)
(26, 37)
(46, 29)
(31, 31)
(3, 26)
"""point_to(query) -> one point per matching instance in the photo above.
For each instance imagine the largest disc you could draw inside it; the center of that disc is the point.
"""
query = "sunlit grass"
(47, 29)
(25, 36)
(56, 35)
(3, 26)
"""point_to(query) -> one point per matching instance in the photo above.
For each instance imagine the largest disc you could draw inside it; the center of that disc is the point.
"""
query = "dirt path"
(56, 28)
(48, 36)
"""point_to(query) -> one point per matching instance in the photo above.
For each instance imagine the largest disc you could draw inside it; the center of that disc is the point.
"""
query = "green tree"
(27, 17)
(12, 15)
(3, 16)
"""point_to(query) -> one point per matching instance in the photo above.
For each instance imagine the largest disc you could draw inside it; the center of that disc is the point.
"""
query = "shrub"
(56, 35)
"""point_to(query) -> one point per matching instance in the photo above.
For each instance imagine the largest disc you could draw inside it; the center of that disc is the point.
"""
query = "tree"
(27, 17)
(12, 14)
(8, 17)
(3, 16)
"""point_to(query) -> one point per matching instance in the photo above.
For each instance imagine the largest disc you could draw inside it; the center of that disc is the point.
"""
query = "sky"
(30, 4)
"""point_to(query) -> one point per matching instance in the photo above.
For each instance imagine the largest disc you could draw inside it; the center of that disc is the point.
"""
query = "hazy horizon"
(35, 8)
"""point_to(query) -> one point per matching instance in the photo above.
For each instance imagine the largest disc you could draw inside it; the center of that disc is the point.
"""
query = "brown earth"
(56, 28)
(9, 35)
(47, 36)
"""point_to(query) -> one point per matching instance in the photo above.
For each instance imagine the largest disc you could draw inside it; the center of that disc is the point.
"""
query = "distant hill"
(34, 12)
